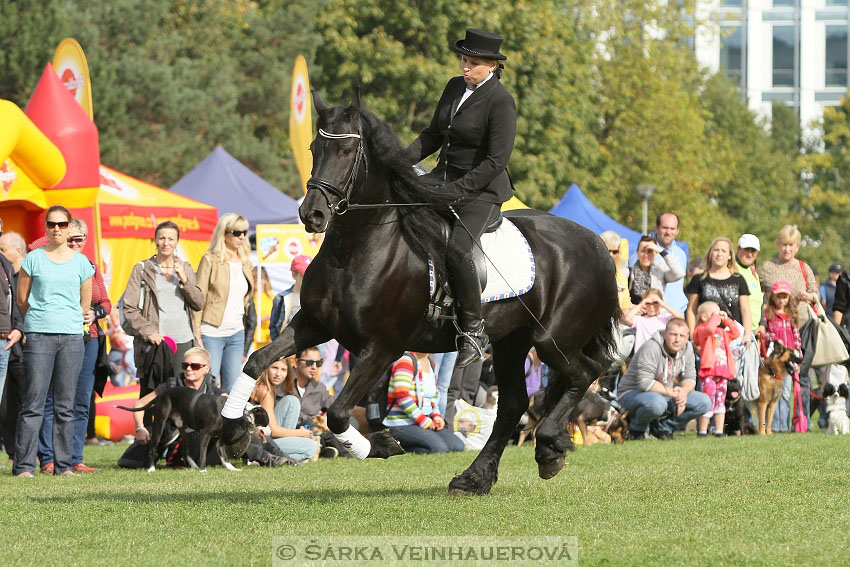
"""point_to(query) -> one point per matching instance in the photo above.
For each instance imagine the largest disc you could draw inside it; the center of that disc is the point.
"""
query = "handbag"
(829, 347)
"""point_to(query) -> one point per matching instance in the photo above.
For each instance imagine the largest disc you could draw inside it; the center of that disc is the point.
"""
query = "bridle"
(328, 188)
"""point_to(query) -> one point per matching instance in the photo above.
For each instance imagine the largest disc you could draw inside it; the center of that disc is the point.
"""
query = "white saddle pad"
(510, 264)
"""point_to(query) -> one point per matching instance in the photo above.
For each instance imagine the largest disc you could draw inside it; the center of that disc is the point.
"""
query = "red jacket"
(704, 337)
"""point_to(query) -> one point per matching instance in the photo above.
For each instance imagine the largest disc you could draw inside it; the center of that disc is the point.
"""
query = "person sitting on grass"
(275, 393)
(196, 368)
(658, 386)
(414, 417)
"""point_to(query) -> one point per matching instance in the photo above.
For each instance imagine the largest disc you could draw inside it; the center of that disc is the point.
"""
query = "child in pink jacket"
(712, 338)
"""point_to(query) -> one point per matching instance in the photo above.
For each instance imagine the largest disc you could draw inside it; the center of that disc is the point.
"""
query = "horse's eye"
(346, 151)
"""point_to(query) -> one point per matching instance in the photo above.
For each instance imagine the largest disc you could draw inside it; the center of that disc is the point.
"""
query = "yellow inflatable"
(29, 148)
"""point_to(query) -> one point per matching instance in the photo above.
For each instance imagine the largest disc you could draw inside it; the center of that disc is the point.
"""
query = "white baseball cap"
(749, 241)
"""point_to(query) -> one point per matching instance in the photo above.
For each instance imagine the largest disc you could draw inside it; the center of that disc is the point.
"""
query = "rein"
(327, 188)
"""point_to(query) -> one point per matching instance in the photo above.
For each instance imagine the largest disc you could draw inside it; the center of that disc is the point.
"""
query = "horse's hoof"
(463, 485)
(549, 470)
(384, 445)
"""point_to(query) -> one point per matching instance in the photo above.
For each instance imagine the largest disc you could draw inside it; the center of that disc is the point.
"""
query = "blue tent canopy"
(224, 182)
(578, 208)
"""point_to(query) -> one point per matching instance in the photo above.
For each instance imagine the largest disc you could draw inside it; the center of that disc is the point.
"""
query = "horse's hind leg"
(569, 382)
(508, 362)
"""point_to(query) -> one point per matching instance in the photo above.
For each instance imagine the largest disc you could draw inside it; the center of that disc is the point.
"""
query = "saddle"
(512, 275)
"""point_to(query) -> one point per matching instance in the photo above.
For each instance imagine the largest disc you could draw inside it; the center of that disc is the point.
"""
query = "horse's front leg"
(370, 367)
(302, 332)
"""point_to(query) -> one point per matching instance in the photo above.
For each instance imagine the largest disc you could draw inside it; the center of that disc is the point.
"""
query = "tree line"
(609, 96)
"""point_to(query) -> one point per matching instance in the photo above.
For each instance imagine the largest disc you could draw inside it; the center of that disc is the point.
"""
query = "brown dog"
(591, 409)
(774, 367)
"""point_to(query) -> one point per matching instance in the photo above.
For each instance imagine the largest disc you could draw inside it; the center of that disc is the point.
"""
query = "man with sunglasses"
(312, 394)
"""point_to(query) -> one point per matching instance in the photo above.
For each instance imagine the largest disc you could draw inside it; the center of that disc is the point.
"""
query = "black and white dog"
(836, 409)
(191, 411)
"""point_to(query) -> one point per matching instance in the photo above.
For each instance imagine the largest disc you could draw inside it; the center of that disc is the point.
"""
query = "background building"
(791, 51)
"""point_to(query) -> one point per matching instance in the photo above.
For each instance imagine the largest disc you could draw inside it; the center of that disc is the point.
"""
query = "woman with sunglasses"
(224, 276)
(613, 242)
(54, 294)
(159, 300)
(101, 306)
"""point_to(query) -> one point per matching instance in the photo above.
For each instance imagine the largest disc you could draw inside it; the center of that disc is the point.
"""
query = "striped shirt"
(413, 400)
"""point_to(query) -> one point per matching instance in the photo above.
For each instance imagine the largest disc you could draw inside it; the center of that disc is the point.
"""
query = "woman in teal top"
(54, 293)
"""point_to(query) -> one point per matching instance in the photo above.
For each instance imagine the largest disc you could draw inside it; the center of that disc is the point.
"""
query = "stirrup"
(474, 343)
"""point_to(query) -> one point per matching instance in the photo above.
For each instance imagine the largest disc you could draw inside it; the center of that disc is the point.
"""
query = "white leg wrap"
(234, 407)
(354, 442)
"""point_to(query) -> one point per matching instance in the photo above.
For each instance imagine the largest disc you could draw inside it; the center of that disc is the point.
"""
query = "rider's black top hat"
(479, 43)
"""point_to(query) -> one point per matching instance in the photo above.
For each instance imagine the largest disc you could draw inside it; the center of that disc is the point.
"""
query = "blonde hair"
(228, 222)
(264, 281)
(653, 291)
(730, 263)
(264, 385)
(614, 240)
(705, 306)
(197, 350)
(789, 235)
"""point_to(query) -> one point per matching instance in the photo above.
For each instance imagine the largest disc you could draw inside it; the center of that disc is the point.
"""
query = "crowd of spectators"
(732, 304)
(684, 335)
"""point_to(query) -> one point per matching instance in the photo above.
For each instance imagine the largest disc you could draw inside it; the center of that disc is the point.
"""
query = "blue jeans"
(646, 407)
(225, 357)
(286, 412)
(415, 439)
(82, 403)
(50, 361)
(444, 366)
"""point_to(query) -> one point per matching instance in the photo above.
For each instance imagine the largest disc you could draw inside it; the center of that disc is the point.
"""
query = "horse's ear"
(317, 101)
(356, 101)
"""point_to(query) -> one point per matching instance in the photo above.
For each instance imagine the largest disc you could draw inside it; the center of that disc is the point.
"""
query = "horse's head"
(340, 165)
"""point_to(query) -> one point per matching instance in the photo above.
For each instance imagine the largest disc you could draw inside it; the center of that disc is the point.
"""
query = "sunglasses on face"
(238, 233)
(61, 224)
(193, 365)
(76, 239)
(309, 363)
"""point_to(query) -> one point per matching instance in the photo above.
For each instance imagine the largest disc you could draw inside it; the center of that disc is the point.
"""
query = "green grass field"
(779, 500)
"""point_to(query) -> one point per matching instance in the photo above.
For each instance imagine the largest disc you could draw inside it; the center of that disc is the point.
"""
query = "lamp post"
(645, 191)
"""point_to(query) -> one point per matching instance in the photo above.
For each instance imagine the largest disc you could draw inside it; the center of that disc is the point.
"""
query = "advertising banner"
(301, 121)
(71, 66)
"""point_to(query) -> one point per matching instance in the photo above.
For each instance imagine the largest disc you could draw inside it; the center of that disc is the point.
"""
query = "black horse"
(368, 288)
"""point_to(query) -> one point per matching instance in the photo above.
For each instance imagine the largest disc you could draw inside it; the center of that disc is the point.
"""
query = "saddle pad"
(510, 264)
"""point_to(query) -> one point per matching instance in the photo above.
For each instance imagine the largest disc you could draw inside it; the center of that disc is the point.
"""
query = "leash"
(477, 242)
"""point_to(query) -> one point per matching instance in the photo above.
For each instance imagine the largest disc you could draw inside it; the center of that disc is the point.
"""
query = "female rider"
(474, 127)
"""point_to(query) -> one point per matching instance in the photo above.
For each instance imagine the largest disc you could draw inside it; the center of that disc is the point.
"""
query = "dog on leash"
(190, 411)
(780, 360)
(836, 409)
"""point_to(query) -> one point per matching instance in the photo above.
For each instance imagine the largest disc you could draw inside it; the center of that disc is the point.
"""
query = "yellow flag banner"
(280, 243)
(301, 121)
(70, 64)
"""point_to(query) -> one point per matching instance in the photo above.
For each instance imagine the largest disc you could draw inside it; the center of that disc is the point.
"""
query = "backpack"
(125, 325)
(377, 400)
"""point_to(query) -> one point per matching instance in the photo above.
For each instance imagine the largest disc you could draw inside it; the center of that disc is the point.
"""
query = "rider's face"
(474, 69)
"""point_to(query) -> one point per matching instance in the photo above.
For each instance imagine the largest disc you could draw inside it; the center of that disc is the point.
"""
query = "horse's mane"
(421, 226)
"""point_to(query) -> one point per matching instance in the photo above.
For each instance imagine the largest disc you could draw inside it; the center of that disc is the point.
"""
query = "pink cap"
(781, 287)
(300, 263)
(171, 344)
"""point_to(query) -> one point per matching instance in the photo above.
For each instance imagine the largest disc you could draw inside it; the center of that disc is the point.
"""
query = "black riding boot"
(473, 338)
